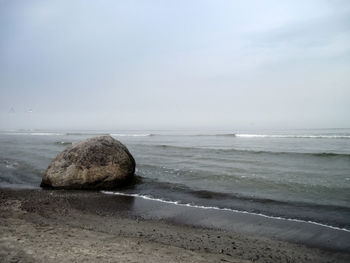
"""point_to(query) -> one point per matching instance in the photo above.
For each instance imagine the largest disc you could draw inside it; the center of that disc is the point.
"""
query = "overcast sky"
(174, 64)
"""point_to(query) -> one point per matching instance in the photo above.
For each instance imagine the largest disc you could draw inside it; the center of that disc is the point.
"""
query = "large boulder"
(96, 163)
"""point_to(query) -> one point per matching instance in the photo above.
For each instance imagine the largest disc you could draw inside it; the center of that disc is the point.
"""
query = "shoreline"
(226, 209)
(157, 231)
(245, 223)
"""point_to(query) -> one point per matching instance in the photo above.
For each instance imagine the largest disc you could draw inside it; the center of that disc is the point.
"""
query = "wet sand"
(76, 226)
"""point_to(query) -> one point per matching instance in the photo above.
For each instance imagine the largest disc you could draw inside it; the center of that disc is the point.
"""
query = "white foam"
(129, 135)
(224, 209)
(45, 133)
(9, 164)
(34, 133)
(293, 136)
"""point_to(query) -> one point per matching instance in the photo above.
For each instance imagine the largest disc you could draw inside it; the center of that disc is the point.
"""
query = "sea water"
(292, 174)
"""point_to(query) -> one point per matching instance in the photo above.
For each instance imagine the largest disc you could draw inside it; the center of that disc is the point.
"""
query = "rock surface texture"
(96, 163)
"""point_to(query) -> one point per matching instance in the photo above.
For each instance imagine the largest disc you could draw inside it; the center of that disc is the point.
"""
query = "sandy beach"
(77, 226)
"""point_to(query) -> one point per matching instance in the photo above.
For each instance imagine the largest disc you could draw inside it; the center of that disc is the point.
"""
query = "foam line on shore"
(224, 209)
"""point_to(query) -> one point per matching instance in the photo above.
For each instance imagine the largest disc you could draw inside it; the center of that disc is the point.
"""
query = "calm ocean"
(295, 174)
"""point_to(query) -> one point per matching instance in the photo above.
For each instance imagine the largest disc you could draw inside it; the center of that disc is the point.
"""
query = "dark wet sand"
(75, 226)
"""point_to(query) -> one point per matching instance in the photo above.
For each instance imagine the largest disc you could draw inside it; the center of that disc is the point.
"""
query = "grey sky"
(174, 64)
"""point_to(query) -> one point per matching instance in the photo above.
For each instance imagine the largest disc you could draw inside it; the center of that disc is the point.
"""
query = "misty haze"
(174, 64)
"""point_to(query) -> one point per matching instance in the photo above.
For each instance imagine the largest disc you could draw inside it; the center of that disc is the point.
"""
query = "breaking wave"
(246, 135)
(233, 150)
(63, 143)
(130, 135)
(146, 197)
(34, 133)
(293, 136)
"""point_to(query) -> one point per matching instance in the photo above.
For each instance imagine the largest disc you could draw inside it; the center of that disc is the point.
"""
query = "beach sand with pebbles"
(77, 226)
